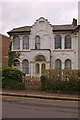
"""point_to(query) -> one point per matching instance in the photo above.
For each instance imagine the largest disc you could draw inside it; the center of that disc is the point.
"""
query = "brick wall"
(5, 47)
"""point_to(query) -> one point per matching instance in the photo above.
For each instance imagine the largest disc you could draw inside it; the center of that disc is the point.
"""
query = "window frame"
(37, 43)
(27, 42)
(16, 46)
(15, 64)
(58, 67)
(25, 66)
(37, 70)
(67, 42)
(70, 67)
(58, 42)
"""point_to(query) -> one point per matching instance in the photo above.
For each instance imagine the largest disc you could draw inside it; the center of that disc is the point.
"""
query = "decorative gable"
(43, 29)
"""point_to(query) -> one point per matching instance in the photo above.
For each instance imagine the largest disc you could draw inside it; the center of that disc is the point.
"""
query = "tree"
(12, 55)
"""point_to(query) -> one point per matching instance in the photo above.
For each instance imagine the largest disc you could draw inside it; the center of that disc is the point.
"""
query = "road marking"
(40, 99)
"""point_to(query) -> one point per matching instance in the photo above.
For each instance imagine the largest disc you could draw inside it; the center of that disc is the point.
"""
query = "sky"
(19, 13)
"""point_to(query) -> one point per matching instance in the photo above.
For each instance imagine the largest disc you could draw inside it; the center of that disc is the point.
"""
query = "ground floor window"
(16, 62)
(25, 66)
(43, 67)
(58, 64)
(39, 67)
(68, 64)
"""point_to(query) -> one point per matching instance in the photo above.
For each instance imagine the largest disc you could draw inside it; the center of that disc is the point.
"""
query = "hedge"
(60, 80)
(12, 78)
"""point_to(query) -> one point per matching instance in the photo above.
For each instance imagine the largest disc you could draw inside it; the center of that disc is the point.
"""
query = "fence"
(32, 83)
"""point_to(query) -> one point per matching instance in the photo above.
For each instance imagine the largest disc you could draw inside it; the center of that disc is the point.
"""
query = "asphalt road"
(17, 107)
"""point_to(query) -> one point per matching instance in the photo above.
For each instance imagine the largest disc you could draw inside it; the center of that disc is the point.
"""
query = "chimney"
(74, 22)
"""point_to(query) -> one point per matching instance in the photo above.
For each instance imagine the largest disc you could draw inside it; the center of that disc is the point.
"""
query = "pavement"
(40, 94)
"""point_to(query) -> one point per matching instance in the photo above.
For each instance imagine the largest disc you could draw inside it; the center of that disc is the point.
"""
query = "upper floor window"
(25, 42)
(68, 64)
(16, 43)
(58, 64)
(67, 42)
(37, 42)
(58, 42)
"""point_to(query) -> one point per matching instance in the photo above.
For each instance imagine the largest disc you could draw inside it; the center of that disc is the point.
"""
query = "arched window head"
(16, 62)
(67, 42)
(25, 42)
(58, 64)
(37, 42)
(40, 58)
(16, 43)
(37, 68)
(68, 64)
(25, 66)
(58, 42)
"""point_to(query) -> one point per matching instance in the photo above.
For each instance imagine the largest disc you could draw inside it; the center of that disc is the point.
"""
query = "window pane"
(68, 42)
(37, 68)
(16, 43)
(58, 42)
(25, 65)
(37, 42)
(25, 42)
(68, 64)
(58, 64)
(43, 67)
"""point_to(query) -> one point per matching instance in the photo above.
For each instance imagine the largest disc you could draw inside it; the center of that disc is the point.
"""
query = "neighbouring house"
(45, 46)
(4, 47)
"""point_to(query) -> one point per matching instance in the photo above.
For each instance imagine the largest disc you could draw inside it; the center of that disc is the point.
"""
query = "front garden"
(51, 80)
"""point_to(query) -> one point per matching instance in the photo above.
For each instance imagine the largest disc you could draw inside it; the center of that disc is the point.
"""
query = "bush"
(61, 80)
(43, 87)
(12, 78)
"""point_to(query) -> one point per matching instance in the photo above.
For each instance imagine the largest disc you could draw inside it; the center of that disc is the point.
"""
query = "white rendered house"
(45, 46)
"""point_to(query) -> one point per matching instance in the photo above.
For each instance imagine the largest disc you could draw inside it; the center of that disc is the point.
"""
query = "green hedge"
(12, 78)
(61, 80)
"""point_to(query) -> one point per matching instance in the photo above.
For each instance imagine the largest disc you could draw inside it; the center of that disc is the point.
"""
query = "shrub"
(43, 82)
(12, 78)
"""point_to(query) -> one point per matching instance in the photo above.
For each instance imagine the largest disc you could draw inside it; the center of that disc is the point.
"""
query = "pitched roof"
(55, 28)
(77, 28)
(63, 27)
(20, 29)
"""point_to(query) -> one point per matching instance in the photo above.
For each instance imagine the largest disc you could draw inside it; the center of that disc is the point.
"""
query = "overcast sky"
(18, 14)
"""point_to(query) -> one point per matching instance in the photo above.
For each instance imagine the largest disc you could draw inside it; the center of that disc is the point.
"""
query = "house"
(77, 31)
(45, 46)
(4, 46)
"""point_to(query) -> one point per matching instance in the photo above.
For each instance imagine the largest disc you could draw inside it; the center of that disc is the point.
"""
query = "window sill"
(27, 50)
(61, 50)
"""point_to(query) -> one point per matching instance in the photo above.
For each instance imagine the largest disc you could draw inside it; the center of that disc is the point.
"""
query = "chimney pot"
(74, 22)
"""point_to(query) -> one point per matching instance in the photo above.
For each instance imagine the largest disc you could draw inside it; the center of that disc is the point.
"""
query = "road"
(19, 107)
